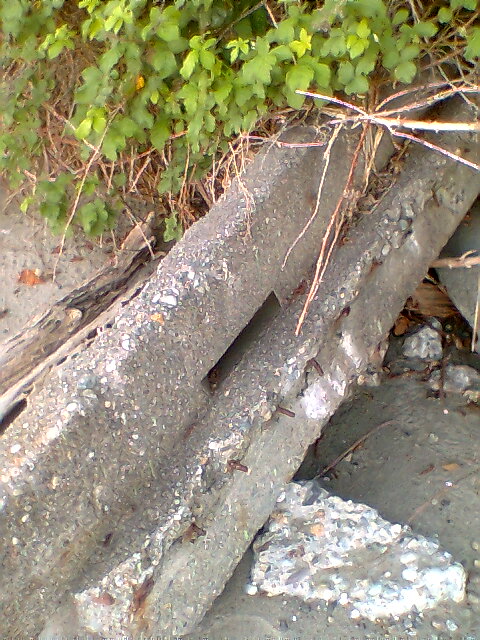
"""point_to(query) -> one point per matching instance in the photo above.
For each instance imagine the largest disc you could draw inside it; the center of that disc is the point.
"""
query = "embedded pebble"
(425, 344)
(319, 547)
(456, 379)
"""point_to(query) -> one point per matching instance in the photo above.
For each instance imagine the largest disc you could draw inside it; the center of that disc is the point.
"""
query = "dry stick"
(137, 177)
(434, 147)
(139, 227)
(419, 510)
(319, 193)
(433, 125)
(321, 264)
(343, 455)
(427, 101)
(465, 261)
(430, 85)
(392, 123)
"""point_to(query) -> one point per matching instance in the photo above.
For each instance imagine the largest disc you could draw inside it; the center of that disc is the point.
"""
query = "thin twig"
(333, 137)
(465, 261)
(434, 147)
(358, 442)
(392, 124)
(321, 262)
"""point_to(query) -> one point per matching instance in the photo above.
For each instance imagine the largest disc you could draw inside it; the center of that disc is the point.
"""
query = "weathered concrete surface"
(104, 473)
(97, 441)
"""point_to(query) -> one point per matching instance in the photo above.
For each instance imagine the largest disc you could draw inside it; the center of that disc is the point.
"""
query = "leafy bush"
(90, 87)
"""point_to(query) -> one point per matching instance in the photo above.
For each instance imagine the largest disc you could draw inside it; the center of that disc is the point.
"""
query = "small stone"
(250, 589)
(438, 624)
(425, 344)
(451, 625)
(170, 301)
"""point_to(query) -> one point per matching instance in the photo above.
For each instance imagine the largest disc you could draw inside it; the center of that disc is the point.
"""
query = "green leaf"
(113, 142)
(189, 95)
(355, 46)
(367, 62)
(222, 90)
(390, 59)
(282, 53)
(363, 30)
(345, 72)
(465, 4)
(294, 100)
(99, 120)
(168, 31)
(302, 45)
(322, 74)
(258, 69)
(210, 122)
(56, 49)
(405, 72)
(25, 204)
(173, 229)
(127, 126)
(189, 64)
(110, 58)
(335, 46)
(359, 85)
(284, 33)
(299, 77)
(93, 82)
(400, 17)
(410, 52)
(207, 59)
(425, 29)
(249, 120)
(95, 217)
(163, 61)
(242, 95)
(160, 132)
(140, 113)
(444, 15)
(84, 128)
(472, 49)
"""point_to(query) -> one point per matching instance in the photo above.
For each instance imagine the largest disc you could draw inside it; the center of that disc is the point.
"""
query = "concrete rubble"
(317, 546)
(134, 479)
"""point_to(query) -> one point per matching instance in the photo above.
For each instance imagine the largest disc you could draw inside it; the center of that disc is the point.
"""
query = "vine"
(109, 84)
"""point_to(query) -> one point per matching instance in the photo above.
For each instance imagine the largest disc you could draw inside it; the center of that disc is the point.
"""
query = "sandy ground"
(29, 258)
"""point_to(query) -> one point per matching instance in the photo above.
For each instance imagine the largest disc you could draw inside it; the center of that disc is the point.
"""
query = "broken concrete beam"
(95, 444)
(138, 495)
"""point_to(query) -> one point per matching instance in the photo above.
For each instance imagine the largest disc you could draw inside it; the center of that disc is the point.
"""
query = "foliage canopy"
(91, 87)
